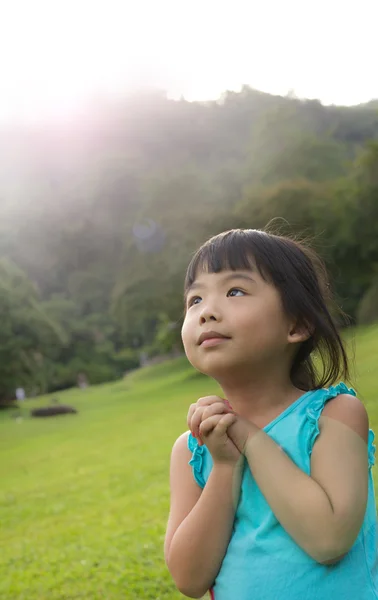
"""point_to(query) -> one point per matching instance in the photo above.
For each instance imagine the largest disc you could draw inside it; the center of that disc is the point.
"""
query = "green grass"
(84, 498)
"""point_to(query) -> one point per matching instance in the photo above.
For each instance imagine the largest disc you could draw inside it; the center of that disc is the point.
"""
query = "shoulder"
(181, 445)
(186, 448)
(350, 411)
(188, 456)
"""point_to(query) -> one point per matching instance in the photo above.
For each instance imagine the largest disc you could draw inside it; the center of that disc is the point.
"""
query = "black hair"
(300, 277)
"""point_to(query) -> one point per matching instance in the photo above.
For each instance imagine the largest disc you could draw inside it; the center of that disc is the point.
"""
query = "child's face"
(248, 311)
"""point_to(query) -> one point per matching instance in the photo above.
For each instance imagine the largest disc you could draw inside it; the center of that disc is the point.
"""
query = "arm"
(200, 522)
(322, 512)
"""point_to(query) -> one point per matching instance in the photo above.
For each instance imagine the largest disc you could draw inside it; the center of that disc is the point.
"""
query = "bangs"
(230, 251)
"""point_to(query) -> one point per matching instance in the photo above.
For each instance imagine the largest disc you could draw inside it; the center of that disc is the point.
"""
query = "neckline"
(287, 410)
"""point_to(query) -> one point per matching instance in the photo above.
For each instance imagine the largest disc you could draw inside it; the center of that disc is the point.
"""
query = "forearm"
(300, 504)
(200, 542)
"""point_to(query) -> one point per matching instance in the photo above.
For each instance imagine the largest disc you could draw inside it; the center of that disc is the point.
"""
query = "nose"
(209, 313)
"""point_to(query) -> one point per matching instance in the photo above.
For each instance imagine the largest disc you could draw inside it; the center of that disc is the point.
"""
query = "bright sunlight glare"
(56, 54)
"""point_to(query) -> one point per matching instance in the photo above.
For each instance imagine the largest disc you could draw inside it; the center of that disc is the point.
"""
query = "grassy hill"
(84, 498)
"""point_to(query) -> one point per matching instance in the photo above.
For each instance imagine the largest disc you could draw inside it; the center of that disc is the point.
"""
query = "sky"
(55, 54)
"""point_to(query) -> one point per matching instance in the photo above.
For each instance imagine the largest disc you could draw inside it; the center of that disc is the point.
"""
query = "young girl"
(271, 490)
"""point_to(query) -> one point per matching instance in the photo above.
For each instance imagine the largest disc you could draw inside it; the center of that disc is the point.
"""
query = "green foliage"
(128, 359)
(167, 337)
(104, 224)
(27, 334)
(90, 348)
(301, 203)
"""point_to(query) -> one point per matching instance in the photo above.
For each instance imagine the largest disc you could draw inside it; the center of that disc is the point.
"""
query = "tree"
(103, 215)
(27, 334)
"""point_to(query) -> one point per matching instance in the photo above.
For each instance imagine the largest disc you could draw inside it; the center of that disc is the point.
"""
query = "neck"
(261, 397)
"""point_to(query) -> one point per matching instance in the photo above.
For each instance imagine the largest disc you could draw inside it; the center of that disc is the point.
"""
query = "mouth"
(215, 341)
(212, 338)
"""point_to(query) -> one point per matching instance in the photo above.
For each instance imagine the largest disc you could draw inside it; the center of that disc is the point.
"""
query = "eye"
(235, 290)
(193, 300)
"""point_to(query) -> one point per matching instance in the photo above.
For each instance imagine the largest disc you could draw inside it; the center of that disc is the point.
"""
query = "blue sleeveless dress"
(262, 561)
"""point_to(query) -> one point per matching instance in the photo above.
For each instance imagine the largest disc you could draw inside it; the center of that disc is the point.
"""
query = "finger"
(225, 422)
(206, 400)
(217, 408)
(196, 420)
(218, 422)
(204, 412)
(201, 402)
(191, 411)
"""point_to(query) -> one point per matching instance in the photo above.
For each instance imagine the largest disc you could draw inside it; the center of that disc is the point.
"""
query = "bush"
(127, 359)
(52, 411)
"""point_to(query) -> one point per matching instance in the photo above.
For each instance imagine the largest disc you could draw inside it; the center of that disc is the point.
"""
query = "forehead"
(204, 278)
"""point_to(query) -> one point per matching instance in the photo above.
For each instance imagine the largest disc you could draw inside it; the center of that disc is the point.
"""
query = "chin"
(215, 367)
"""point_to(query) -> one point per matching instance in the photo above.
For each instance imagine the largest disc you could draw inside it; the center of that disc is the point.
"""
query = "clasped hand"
(213, 422)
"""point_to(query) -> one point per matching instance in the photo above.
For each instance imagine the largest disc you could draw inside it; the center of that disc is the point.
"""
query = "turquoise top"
(262, 561)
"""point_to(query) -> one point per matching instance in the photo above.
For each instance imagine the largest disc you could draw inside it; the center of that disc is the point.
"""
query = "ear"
(299, 332)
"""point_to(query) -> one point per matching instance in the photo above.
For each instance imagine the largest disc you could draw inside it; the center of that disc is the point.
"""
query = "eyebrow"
(225, 279)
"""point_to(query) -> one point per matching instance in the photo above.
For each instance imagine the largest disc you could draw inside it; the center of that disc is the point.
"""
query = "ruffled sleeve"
(314, 412)
(371, 448)
(197, 460)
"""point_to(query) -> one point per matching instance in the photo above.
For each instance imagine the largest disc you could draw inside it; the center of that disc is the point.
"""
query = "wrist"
(241, 432)
(228, 467)
(229, 477)
(251, 440)
(224, 467)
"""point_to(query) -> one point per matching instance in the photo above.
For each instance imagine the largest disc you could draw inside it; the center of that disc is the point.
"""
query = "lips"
(210, 335)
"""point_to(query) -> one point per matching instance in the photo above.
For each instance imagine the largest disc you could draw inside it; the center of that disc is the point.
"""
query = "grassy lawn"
(84, 498)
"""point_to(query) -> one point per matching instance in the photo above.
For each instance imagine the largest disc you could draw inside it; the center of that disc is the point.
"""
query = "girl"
(271, 490)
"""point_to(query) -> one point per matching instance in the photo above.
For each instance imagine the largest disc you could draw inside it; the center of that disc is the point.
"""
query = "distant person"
(272, 493)
(20, 394)
(82, 381)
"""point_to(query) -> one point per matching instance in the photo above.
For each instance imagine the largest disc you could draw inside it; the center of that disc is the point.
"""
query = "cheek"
(263, 320)
(186, 333)
(188, 341)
